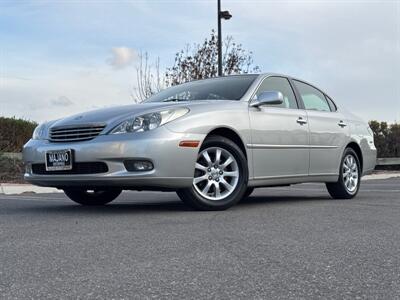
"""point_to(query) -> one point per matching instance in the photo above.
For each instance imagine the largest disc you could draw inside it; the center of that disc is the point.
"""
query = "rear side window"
(282, 85)
(313, 99)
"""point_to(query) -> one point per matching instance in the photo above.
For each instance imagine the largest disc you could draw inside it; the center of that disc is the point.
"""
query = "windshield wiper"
(174, 100)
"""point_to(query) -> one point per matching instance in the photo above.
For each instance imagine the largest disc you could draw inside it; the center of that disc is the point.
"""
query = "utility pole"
(226, 16)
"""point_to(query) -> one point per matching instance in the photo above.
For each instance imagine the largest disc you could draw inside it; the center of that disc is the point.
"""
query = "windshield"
(221, 88)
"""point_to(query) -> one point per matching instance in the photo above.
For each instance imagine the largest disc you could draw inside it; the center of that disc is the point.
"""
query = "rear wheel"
(92, 197)
(249, 191)
(220, 177)
(349, 177)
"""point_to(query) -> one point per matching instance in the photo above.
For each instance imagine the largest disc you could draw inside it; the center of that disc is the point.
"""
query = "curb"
(13, 188)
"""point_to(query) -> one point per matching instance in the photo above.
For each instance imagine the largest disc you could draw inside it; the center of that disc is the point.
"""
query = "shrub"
(14, 133)
(386, 138)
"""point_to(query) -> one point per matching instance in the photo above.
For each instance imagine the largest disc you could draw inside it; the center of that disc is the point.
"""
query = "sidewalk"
(14, 188)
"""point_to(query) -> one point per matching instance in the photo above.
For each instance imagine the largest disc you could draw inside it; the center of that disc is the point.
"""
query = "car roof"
(290, 77)
(273, 74)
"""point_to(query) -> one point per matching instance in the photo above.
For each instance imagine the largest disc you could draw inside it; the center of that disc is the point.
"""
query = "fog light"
(28, 168)
(138, 165)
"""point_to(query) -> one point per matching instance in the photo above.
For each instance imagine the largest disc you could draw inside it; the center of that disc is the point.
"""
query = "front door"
(279, 134)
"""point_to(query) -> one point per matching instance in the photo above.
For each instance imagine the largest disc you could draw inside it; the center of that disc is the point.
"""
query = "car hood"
(113, 115)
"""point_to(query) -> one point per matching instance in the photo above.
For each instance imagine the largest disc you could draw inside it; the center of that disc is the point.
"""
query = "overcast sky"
(64, 57)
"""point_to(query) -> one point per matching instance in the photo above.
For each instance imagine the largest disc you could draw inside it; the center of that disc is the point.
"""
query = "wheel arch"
(231, 134)
(357, 149)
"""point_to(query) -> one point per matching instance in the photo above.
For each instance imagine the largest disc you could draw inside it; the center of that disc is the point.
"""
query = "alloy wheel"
(350, 173)
(216, 173)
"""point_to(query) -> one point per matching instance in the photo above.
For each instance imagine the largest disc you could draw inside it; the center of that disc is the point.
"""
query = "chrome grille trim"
(57, 134)
(63, 131)
(75, 133)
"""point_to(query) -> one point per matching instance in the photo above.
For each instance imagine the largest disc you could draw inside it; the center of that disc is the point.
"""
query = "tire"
(212, 176)
(343, 189)
(94, 198)
(249, 191)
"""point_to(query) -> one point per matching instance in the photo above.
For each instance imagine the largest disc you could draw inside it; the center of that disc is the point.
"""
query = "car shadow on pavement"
(171, 205)
(67, 207)
(254, 200)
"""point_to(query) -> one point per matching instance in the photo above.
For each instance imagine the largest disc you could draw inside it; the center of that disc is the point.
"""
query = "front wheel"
(349, 177)
(220, 177)
(92, 197)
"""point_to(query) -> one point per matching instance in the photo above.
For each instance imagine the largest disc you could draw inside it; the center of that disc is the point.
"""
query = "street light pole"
(219, 40)
(226, 16)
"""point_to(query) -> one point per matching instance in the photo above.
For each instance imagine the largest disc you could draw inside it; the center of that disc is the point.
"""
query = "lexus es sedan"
(212, 141)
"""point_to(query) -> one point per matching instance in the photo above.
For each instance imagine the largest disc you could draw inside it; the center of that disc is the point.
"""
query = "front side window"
(282, 85)
(221, 88)
(313, 99)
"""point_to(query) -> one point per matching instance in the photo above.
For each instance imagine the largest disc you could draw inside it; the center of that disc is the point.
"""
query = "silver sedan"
(212, 141)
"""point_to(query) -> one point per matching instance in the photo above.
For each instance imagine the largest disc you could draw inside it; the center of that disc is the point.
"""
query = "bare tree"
(148, 78)
(198, 61)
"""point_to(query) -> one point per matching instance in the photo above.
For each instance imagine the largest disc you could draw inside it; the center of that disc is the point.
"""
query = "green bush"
(386, 138)
(14, 133)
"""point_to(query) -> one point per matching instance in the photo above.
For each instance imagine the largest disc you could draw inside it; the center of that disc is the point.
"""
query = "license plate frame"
(59, 160)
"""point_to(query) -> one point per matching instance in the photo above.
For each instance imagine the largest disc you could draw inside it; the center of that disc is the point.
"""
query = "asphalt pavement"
(281, 243)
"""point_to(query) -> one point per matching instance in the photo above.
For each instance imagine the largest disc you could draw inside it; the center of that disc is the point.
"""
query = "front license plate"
(59, 160)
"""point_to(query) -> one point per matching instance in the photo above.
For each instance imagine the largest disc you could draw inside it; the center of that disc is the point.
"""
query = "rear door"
(279, 134)
(328, 130)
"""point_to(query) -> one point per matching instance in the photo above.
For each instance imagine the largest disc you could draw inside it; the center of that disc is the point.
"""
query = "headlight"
(149, 121)
(40, 132)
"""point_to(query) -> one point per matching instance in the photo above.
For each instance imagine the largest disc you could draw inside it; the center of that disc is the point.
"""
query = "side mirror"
(267, 98)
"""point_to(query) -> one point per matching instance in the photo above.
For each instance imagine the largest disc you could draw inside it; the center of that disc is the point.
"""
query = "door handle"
(342, 124)
(301, 121)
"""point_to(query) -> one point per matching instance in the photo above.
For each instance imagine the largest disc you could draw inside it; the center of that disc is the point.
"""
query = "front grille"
(75, 133)
(79, 168)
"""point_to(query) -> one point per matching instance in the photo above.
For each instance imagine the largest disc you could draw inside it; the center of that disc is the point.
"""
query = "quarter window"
(313, 99)
(282, 85)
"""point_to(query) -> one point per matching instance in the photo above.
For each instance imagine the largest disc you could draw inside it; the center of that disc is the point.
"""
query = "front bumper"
(173, 165)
